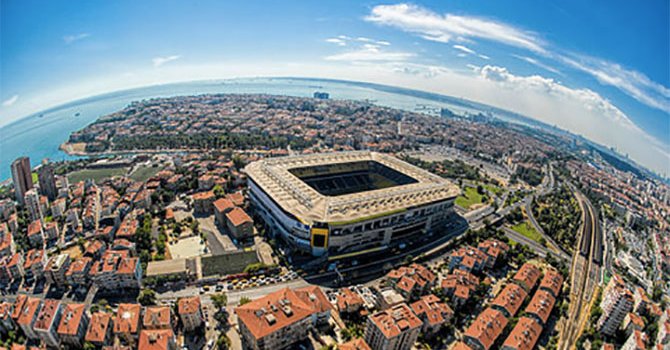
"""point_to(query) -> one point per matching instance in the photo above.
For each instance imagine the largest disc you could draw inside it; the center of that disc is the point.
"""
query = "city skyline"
(566, 68)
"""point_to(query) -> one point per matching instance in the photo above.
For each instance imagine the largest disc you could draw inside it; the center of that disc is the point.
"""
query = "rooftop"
(188, 305)
(396, 320)
(524, 335)
(127, 318)
(157, 339)
(487, 327)
(97, 328)
(72, 315)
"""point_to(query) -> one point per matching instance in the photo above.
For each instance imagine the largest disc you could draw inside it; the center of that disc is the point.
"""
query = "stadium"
(346, 202)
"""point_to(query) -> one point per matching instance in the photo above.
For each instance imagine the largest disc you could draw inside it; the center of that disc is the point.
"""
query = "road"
(535, 246)
(585, 274)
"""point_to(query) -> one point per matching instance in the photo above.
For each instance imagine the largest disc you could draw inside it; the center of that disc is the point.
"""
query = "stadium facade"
(347, 202)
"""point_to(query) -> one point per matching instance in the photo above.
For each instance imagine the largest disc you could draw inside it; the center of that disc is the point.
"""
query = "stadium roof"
(296, 197)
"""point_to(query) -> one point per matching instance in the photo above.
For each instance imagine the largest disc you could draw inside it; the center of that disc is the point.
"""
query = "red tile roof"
(394, 321)
(47, 314)
(157, 317)
(238, 216)
(510, 298)
(541, 305)
(524, 336)
(356, 344)
(127, 318)
(157, 339)
(552, 281)
(29, 310)
(273, 312)
(97, 328)
(223, 204)
(19, 303)
(72, 315)
(528, 274)
(188, 305)
(487, 327)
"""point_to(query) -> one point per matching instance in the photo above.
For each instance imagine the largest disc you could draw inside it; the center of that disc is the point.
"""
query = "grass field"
(227, 263)
(494, 189)
(469, 198)
(527, 230)
(142, 173)
(35, 179)
(95, 174)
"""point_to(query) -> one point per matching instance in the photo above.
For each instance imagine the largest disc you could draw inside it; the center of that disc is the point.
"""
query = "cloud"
(446, 28)
(631, 82)
(464, 49)
(370, 52)
(582, 111)
(159, 61)
(10, 101)
(342, 40)
(69, 39)
(537, 63)
(484, 57)
(338, 41)
(457, 28)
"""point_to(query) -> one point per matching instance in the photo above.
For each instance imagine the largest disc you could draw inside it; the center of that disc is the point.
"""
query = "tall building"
(32, 201)
(616, 303)
(22, 178)
(47, 181)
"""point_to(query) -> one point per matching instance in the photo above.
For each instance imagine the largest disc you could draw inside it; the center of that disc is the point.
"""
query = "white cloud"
(538, 63)
(581, 111)
(342, 40)
(10, 101)
(484, 57)
(370, 52)
(631, 82)
(159, 61)
(464, 49)
(449, 27)
(69, 39)
(338, 41)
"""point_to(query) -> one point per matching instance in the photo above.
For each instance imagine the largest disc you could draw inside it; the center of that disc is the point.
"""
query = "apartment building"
(396, 328)
(73, 325)
(47, 321)
(190, 313)
(280, 319)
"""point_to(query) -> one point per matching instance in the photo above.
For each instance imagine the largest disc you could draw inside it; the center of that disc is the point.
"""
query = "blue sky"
(597, 68)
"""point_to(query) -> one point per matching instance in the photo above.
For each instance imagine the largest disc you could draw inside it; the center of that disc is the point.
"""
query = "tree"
(223, 342)
(244, 300)
(89, 346)
(220, 300)
(147, 297)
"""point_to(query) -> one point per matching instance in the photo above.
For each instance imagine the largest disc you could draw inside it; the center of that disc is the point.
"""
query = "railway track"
(585, 273)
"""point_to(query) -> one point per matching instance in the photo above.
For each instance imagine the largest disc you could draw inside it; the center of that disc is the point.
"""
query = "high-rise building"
(22, 178)
(616, 303)
(47, 181)
(32, 200)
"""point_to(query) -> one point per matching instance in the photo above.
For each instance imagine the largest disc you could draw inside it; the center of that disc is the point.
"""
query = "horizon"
(578, 80)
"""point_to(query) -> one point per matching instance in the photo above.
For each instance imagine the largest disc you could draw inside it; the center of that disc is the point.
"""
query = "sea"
(39, 136)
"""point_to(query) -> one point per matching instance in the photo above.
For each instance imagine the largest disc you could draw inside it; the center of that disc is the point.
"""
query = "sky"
(600, 69)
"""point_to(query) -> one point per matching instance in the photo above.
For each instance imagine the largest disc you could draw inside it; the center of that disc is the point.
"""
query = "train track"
(585, 274)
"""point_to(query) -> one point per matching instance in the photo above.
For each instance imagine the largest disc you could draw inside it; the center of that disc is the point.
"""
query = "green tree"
(147, 297)
(244, 300)
(220, 300)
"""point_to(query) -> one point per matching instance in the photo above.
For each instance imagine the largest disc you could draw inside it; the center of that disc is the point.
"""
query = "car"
(218, 288)
(202, 290)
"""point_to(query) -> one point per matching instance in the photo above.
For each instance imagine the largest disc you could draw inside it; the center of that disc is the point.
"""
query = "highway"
(584, 274)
